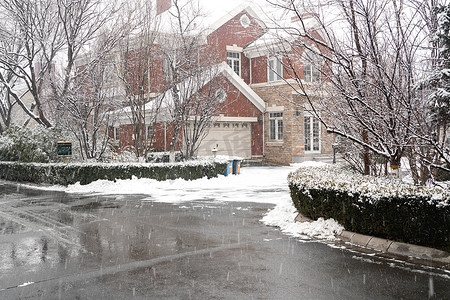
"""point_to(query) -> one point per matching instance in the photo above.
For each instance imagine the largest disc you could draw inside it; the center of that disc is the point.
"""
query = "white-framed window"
(274, 69)
(150, 132)
(276, 126)
(311, 66)
(109, 72)
(234, 61)
(117, 133)
(167, 68)
(312, 133)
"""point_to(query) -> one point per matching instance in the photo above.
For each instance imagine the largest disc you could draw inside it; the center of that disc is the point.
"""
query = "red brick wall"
(259, 69)
(232, 33)
(237, 105)
(159, 129)
(257, 139)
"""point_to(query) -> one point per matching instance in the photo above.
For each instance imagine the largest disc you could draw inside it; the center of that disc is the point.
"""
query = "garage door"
(231, 139)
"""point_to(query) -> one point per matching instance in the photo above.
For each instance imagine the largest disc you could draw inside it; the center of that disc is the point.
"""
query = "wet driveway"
(61, 246)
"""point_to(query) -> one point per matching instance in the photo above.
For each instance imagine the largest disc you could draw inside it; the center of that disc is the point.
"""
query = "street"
(57, 245)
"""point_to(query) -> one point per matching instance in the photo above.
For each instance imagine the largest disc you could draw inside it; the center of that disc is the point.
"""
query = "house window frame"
(109, 72)
(276, 126)
(234, 61)
(150, 132)
(310, 121)
(274, 69)
(116, 133)
(311, 66)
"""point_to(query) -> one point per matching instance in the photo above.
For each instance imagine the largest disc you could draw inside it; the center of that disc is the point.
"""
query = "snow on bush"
(28, 145)
(59, 173)
(382, 207)
(343, 179)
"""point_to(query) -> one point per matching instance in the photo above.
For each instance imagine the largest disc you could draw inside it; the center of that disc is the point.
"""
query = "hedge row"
(421, 218)
(64, 174)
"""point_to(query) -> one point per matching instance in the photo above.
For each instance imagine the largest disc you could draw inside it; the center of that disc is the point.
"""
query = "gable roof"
(240, 84)
(222, 68)
(249, 7)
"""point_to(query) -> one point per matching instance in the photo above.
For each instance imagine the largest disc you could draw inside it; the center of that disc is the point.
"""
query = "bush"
(28, 145)
(64, 174)
(381, 207)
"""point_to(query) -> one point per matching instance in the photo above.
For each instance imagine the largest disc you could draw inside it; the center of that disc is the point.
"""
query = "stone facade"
(279, 98)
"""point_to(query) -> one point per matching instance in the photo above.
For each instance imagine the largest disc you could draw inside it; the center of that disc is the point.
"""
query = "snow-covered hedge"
(59, 173)
(28, 145)
(387, 208)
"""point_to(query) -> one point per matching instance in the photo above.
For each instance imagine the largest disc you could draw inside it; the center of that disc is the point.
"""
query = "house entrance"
(312, 134)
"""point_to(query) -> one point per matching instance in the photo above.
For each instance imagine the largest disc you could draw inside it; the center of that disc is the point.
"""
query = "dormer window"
(311, 66)
(234, 61)
(274, 69)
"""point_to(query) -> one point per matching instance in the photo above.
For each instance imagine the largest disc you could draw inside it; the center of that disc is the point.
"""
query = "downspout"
(165, 136)
(251, 73)
(264, 135)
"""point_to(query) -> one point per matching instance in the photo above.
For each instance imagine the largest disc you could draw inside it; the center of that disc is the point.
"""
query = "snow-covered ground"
(254, 184)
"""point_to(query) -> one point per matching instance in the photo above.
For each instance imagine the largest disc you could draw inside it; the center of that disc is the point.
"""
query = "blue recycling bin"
(236, 167)
(233, 167)
(228, 169)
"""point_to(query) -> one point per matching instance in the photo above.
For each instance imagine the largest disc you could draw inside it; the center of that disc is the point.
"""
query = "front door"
(312, 134)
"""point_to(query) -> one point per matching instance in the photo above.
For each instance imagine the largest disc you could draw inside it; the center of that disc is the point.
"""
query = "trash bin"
(236, 167)
(228, 169)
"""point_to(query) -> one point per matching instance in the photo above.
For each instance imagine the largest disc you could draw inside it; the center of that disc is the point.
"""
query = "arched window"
(311, 66)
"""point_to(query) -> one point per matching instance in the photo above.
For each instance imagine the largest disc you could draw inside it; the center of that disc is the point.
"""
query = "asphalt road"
(60, 246)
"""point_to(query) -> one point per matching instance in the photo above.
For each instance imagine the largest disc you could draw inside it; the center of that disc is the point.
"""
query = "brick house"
(263, 117)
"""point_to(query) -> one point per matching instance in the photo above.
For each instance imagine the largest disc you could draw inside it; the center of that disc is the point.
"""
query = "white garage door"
(231, 139)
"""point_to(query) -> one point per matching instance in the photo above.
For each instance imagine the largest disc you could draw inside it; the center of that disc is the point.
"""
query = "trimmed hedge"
(64, 174)
(421, 217)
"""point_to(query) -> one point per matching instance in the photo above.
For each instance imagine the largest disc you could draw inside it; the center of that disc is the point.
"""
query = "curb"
(391, 248)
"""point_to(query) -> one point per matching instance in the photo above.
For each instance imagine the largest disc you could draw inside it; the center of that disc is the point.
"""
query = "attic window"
(245, 21)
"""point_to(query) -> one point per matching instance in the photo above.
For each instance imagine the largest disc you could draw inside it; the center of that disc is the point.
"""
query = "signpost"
(64, 149)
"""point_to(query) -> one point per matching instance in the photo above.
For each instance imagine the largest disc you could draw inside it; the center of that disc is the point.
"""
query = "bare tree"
(81, 100)
(140, 73)
(196, 84)
(369, 57)
(7, 102)
(37, 34)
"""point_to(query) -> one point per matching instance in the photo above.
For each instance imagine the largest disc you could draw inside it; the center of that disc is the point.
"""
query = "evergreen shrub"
(28, 145)
(64, 174)
(385, 208)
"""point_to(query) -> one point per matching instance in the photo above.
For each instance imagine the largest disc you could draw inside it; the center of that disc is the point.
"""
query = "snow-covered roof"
(249, 7)
(225, 70)
(216, 13)
(188, 87)
(240, 84)
(280, 36)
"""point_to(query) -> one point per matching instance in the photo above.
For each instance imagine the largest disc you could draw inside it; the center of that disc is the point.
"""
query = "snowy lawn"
(254, 184)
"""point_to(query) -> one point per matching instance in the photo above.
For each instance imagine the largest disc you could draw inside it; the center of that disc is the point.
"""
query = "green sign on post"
(64, 148)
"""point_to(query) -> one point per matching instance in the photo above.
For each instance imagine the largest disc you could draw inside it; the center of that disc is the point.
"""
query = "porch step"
(326, 158)
(255, 163)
